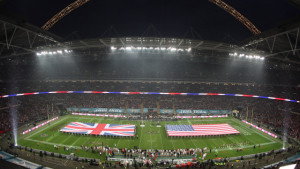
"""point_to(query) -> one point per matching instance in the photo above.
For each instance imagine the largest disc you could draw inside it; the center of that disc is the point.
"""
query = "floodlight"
(128, 48)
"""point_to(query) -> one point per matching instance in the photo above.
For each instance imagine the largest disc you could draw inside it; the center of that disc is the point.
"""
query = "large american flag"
(100, 129)
(200, 130)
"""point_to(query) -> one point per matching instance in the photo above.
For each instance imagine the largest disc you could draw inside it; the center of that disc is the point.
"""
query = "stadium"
(79, 94)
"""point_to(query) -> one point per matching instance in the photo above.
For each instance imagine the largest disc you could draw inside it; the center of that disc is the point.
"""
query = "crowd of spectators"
(275, 115)
(291, 92)
(152, 154)
(31, 109)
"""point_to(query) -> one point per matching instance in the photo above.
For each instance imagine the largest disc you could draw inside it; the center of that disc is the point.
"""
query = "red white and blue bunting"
(153, 93)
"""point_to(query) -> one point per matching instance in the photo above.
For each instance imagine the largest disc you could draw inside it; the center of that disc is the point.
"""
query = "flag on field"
(200, 130)
(100, 129)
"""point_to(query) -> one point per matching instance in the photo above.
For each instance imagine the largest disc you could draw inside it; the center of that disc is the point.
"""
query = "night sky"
(172, 18)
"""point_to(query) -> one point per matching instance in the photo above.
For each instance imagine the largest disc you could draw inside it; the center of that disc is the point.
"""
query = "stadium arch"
(78, 3)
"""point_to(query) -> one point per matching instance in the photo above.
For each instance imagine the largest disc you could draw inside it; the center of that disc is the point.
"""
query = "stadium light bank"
(247, 56)
(53, 52)
(159, 49)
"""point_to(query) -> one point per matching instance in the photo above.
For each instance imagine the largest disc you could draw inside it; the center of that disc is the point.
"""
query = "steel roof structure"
(17, 38)
(283, 46)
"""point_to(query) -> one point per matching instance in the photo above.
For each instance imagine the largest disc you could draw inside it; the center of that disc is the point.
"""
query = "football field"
(151, 136)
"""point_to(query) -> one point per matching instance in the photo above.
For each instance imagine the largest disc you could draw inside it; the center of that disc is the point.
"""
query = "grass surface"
(149, 137)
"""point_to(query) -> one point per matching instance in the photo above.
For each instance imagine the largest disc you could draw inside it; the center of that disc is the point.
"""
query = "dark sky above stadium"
(170, 17)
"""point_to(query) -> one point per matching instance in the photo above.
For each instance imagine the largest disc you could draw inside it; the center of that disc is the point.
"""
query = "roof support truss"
(280, 45)
(17, 39)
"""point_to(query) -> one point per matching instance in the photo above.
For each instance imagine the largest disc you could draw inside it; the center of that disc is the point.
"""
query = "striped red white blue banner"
(154, 93)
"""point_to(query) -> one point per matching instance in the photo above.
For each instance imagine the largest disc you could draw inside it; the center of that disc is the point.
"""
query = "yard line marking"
(161, 138)
(182, 139)
(191, 138)
(243, 131)
(172, 143)
(49, 143)
(82, 137)
(141, 136)
(46, 127)
(97, 140)
(119, 139)
(249, 146)
(150, 136)
(258, 132)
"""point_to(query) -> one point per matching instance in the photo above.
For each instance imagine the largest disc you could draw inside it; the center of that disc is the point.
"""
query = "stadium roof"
(19, 37)
(281, 43)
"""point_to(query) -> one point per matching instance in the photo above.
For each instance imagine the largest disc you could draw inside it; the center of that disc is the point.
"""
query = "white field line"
(243, 131)
(172, 143)
(119, 139)
(192, 138)
(46, 127)
(256, 131)
(45, 142)
(182, 139)
(72, 135)
(76, 139)
(150, 135)
(141, 136)
(248, 146)
(161, 138)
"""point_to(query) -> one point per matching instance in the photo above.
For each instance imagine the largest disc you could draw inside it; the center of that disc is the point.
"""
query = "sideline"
(60, 118)
(256, 131)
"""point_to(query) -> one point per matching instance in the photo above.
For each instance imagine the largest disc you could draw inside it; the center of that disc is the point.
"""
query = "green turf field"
(149, 137)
